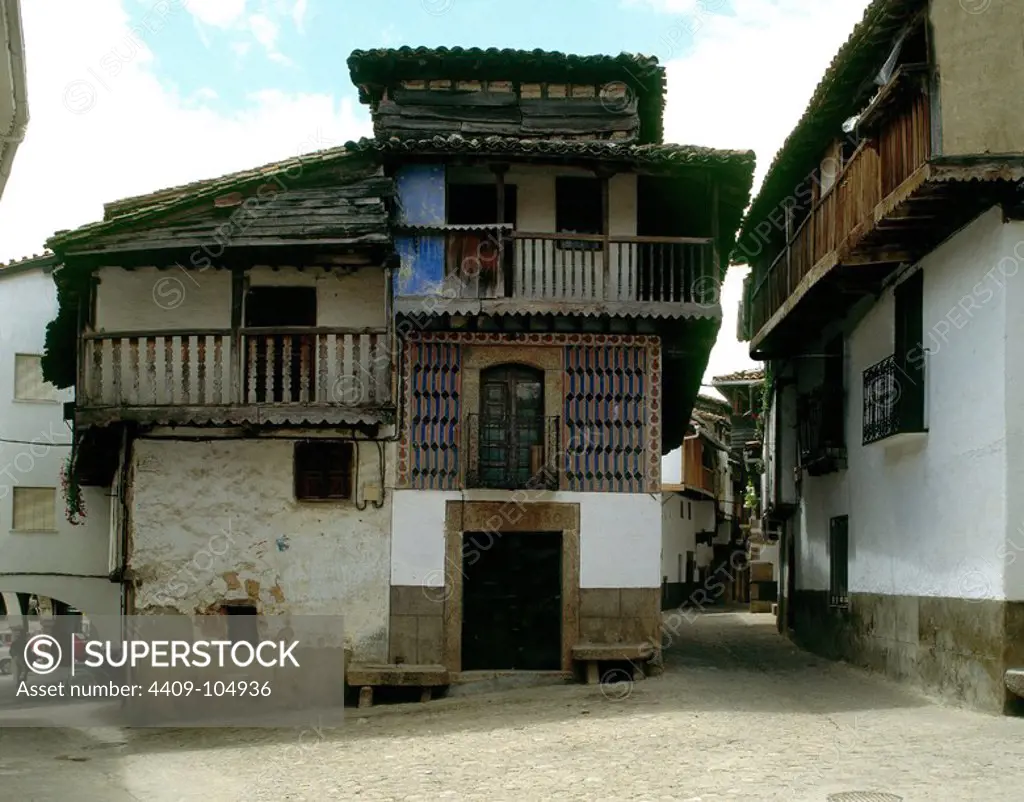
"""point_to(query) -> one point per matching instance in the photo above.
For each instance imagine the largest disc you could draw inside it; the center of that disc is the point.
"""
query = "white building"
(13, 87)
(41, 552)
(885, 300)
(699, 513)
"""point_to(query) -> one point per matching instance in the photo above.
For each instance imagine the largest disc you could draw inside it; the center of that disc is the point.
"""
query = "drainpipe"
(10, 139)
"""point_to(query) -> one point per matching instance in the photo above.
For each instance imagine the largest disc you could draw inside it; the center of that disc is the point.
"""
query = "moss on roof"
(842, 92)
(373, 70)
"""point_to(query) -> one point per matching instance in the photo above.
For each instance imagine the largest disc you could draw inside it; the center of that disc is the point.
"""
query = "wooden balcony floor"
(906, 225)
(433, 305)
(237, 415)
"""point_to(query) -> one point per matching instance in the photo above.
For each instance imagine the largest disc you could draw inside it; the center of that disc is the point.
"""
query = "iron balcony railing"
(893, 401)
(508, 454)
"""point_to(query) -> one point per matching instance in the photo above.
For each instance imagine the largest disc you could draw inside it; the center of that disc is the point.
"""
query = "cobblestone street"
(740, 714)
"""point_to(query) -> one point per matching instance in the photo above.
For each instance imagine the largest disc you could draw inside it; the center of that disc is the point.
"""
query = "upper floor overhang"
(907, 138)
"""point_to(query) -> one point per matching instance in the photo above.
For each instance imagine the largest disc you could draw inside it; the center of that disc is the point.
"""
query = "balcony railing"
(497, 264)
(846, 211)
(822, 437)
(304, 366)
(893, 403)
(506, 455)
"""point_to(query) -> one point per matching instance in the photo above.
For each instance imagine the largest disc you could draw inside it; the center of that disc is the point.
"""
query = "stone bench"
(1014, 679)
(592, 654)
(367, 676)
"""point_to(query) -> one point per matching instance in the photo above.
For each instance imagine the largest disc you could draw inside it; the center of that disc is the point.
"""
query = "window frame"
(15, 490)
(300, 470)
(53, 399)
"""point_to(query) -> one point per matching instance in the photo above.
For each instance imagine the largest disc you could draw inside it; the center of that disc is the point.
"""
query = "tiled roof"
(42, 260)
(842, 92)
(140, 207)
(734, 168)
(754, 374)
(372, 70)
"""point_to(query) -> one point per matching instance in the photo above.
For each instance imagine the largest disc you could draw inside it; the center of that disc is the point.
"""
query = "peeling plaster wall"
(620, 535)
(217, 521)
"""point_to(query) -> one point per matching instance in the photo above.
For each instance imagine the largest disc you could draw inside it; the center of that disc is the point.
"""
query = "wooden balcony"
(698, 480)
(501, 271)
(247, 375)
(889, 204)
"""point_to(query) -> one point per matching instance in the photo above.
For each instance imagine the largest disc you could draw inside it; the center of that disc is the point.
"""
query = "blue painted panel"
(422, 270)
(420, 189)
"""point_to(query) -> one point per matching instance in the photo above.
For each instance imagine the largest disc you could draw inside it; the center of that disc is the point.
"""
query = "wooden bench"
(592, 654)
(367, 676)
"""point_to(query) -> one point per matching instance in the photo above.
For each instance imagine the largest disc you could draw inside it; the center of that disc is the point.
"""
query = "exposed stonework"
(958, 649)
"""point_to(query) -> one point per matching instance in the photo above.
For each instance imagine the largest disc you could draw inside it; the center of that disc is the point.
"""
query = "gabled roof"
(842, 92)
(374, 70)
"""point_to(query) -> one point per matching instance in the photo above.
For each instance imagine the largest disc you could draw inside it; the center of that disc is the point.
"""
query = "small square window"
(323, 470)
(28, 379)
(34, 509)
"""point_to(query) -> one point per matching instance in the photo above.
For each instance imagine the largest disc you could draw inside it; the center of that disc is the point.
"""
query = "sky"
(129, 96)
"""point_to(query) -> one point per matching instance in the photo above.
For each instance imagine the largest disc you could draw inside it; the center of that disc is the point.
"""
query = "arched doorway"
(511, 425)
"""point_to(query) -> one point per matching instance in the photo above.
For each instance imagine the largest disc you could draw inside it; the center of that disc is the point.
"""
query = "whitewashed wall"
(681, 520)
(149, 299)
(620, 536)
(929, 517)
(209, 516)
(28, 301)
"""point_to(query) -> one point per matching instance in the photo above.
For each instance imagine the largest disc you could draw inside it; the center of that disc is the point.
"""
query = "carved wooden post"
(237, 357)
(606, 227)
(505, 276)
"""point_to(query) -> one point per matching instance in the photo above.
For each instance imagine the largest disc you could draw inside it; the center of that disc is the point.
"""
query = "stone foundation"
(957, 649)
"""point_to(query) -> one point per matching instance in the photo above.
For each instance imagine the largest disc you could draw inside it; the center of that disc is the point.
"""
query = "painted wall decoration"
(420, 190)
(428, 454)
(611, 409)
(605, 418)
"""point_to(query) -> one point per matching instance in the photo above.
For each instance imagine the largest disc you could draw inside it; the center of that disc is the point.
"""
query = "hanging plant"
(74, 504)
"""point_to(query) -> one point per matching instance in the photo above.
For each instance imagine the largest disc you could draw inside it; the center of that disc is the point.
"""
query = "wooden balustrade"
(846, 211)
(333, 367)
(581, 268)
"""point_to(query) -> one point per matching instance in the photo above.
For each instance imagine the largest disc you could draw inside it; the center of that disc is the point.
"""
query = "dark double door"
(512, 601)
(511, 426)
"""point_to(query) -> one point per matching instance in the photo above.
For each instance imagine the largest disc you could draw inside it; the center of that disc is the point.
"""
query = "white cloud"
(299, 15)
(265, 31)
(744, 84)
(218, 13)
(96, 136)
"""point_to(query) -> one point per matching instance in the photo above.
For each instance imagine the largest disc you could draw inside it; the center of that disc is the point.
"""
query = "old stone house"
(416, 381)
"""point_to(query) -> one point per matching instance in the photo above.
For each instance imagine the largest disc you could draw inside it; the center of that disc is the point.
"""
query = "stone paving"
(739, 714)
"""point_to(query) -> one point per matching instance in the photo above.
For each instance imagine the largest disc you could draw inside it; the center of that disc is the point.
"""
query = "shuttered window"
(838, 561)
(28, 379)
(323, 470)
(35, 509)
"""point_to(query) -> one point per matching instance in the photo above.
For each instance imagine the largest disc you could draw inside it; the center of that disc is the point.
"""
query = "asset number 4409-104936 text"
(218, 688)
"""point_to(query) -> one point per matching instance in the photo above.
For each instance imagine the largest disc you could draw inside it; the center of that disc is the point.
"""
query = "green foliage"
(74, 504)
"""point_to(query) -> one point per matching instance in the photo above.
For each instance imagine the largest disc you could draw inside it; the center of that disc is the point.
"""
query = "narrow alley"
(739, 713)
